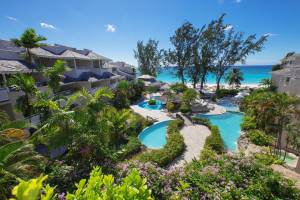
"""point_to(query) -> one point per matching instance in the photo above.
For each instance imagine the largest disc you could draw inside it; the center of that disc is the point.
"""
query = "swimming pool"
(157, 106)
(229, 126)
(228, 105)
(155, 136)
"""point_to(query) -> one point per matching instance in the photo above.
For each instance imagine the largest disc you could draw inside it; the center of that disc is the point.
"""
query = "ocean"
(252, 74)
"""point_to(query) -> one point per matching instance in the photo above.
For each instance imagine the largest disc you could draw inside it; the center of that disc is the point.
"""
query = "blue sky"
(112, 27)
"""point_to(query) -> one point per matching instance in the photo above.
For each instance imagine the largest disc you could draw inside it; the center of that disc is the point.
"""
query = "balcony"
(4, 94)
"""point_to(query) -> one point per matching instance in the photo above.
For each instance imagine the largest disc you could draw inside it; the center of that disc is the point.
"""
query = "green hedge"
(214, 140)
(174, 147)
(133, 146)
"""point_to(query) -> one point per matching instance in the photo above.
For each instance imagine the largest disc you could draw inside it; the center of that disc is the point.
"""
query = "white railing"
(4, 94)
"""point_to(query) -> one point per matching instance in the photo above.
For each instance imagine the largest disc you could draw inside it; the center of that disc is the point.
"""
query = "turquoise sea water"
(229, 126)
(155, 136)
(252, 74)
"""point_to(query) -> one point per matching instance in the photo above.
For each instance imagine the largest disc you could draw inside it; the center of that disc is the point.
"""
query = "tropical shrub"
(226, 92)
(178, 87)
(236, 177)
(214, 140)
(133, 146)
(170, 107)
(164, 184)
(174, 147)
(260, 138)
(268, 159)
(13, 133)
(184, 108)
(189, 95)
(98, 186)
(248, 123)
(152, 102)
(7, 183)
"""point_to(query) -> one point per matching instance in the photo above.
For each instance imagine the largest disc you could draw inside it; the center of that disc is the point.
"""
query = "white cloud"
(47, 26)
(228, 28)
(11, 18)
(271, 34)
(238, 1)
(110, 28)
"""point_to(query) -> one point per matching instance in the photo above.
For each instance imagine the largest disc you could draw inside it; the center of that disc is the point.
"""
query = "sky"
(113, 27)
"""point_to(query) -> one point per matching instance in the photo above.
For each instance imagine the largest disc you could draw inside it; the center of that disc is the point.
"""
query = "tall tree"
(231, 47)
(235, 77)
(54, 73)
(149, 57)
(183, 41)
(29, 39)
(25, 83)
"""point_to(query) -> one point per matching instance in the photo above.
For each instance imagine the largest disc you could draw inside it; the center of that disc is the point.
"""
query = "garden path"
(194, 139)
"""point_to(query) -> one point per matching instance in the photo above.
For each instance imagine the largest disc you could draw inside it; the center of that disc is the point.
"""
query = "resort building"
(123, 69)
(87, 70)
(287, 79)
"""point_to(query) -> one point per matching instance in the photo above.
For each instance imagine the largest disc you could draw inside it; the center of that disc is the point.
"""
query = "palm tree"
(20, 159)
(235, 77)
(117, 123)
(25, 83)
(54, 74)
(29, 39)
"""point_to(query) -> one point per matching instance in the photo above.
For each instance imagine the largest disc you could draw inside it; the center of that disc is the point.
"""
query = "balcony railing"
(4, 94)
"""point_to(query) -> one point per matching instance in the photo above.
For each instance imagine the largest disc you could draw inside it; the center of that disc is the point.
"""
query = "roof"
(13, 66)
(51, 51)
(10, 55)
(9, 46)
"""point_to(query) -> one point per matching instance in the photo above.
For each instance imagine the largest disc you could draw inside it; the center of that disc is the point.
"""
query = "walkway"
(194, 139)
(287, 173)
(155, 114)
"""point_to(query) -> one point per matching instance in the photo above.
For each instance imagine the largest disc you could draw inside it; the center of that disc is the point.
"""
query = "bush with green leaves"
(226, 92)
(179, 87)
(236, 177)
(248, 123)
(152, 102)
(214, 140)
(174, 147)
(260, 138)
(170, 107)
(268, 159)
(133, 146)
(98, 186)
(185, 108)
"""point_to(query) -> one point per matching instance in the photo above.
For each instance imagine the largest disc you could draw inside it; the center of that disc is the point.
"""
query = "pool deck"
(194, 139)
(155, 114)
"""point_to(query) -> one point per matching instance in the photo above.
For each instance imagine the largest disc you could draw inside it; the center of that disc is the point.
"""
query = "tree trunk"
(218, 84)
(298, 166)
(29, 56)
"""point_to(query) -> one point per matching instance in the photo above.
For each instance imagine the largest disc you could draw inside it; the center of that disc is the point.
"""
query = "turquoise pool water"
(229, 126)
(155, 136)
(157, 106)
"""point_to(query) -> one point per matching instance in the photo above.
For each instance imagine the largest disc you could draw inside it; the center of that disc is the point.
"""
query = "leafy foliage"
(54, 74)
(214, 140)
(148, 56)
(25, 83)
(235, 77)
(98, 186)
(174, 147)
(29, 39)
(260, 138)
(248, 123)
